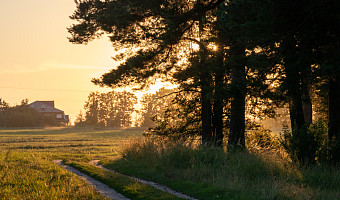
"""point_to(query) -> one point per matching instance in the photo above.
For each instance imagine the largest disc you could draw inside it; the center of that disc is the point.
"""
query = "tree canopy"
(111, 109)
(236, 57)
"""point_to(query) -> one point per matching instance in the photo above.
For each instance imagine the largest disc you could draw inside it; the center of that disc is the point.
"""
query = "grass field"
(26, 171)
(67, 141)
(212, 174)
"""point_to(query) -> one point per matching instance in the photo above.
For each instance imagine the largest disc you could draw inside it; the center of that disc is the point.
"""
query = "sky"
(39, 63)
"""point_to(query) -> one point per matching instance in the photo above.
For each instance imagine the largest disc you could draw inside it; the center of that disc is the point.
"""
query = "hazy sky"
(37, 61)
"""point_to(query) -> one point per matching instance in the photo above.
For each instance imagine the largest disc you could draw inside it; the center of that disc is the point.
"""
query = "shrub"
(19, 116)
(307, 146)
(262, 139)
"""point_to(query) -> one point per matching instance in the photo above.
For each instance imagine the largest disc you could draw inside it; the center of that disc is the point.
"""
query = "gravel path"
(99, 186)
(153, 184)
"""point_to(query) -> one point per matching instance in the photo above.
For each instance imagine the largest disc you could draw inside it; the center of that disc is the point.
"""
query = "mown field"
(26, 171)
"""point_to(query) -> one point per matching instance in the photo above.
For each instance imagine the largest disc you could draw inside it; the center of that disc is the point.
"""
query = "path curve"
(103, 189)
(153, 184)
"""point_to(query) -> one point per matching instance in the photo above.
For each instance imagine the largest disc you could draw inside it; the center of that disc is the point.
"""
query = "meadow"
(26, 171)
(210, 173)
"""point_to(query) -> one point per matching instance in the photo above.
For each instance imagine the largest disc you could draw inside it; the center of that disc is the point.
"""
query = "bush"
(25, 116)
(307, 146)
(262, 139)
(19, 116)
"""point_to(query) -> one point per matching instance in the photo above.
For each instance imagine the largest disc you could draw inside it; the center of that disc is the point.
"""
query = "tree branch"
(177, 92)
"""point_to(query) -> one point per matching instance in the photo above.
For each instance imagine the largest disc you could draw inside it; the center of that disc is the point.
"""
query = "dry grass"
(211, 173)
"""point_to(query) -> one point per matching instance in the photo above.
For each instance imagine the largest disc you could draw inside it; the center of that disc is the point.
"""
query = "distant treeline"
(117, 109)
(23, 115)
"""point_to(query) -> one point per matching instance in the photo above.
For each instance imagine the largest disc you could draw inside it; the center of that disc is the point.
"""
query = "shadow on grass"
(211, 173)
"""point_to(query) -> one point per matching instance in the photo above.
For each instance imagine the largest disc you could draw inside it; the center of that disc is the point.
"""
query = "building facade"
(47, 109)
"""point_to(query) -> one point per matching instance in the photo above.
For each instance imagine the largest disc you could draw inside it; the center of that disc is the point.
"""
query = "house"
(46, 108)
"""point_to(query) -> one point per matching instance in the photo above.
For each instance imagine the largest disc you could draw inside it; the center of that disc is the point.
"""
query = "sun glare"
(159, 84)
(195, 47)
(212, 46)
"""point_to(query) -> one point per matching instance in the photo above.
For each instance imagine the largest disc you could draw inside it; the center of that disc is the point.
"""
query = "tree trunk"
(306, 98)
(218, 103)
(334, 115)
(334, 107)
(206, 90)
(297, 117)
(206, 114)
(237, 119)
(294, 86)
(219, 84)
(307, 109)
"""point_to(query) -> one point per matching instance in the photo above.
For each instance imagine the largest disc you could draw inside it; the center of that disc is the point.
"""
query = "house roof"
(45, 106)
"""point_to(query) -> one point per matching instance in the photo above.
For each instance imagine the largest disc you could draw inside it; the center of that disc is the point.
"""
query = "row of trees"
(112, 109)
(23, 115)
(229, 58)
(120, 109)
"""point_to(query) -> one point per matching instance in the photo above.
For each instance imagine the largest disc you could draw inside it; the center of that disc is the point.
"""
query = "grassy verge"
(208, 173)
(29, 176)
(124, 185)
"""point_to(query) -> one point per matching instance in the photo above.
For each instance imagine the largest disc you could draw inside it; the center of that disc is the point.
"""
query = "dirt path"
(153, 184)
(99, 186)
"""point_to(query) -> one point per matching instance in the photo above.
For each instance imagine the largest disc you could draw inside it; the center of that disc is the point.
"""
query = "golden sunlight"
(212, 46)
(195, 46)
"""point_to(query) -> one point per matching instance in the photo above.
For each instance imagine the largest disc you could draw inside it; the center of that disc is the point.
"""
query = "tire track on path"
(103, 189)
(153, 184)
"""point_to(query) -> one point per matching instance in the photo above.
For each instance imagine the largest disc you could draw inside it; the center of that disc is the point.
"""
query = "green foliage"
(112, 109)
(211, 173)
(26, 171)
(272, 51)
(24, 116)
(154, 105)
(163, 32)
(3, 105)
(325, 177)
(31, 176)
(207, 173)
(126, 186)
(80, 120)
(308, 146)
(180, 119)
(69, 143)
(262, 139)
(166, 162)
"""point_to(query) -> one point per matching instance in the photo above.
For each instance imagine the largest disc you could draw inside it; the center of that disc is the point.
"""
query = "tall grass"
(29, 176)
(26, 171)
(262, 172)
(126, 186)
(211, 173)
